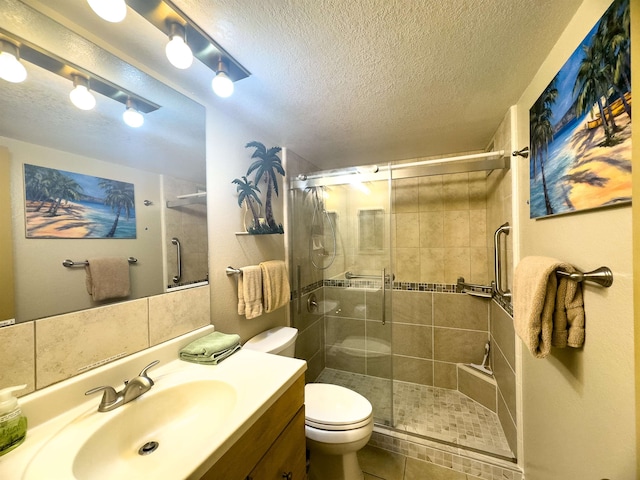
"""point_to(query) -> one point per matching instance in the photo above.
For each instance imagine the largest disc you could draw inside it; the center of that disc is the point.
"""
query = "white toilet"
(338, 421)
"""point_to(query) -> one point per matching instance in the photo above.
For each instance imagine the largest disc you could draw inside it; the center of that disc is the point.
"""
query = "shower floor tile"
(437, 413)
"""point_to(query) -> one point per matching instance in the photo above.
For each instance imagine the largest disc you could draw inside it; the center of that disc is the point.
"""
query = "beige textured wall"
(579, 405)
(6, 242)
(227, 158)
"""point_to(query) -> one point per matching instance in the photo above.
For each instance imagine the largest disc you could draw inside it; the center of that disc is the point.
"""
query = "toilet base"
(334, 467)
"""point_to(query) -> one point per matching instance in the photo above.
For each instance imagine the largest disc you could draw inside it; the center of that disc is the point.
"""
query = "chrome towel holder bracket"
(603, 276)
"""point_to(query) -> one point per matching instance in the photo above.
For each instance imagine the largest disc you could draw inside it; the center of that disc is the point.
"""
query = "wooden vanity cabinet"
(273, 448)
(285, 459)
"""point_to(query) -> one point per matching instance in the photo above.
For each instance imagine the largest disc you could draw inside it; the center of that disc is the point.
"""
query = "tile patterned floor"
(437, 413)
(378, 464)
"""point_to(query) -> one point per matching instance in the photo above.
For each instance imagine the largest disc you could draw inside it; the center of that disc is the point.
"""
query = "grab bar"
(473, 289)
(176, 242)
(351, 275)
(503, 229)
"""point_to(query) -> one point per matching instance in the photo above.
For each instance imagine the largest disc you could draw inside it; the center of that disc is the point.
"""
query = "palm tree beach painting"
(61, 204)
(580, 126)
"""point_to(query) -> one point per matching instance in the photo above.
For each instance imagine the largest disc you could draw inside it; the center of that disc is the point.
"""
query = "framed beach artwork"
(580, 126)
(61, 204)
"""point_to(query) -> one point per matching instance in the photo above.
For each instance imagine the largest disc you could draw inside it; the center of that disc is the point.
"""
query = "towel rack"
(70, 263)
(602, 276)
(233, 271)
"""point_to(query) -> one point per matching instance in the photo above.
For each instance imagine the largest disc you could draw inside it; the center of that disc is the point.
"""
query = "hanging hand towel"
(107, 278)
(275, 285)
(568, 315)
(535, 289)
(250, 292)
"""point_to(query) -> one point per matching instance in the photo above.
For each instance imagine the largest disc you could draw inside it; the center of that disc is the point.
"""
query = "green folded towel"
(211, 349)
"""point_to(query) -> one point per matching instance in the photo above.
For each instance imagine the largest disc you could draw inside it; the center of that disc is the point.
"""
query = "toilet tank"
(278, 340)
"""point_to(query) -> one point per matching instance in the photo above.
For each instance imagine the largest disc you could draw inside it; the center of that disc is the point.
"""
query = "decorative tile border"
(474, 464)
(504, 302)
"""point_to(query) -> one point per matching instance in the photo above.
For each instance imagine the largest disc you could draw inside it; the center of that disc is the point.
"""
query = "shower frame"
(487, 161)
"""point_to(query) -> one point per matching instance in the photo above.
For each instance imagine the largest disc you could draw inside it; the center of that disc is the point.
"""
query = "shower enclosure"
(375, 253)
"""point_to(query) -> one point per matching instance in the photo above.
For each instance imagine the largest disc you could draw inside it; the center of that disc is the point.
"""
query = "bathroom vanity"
(274, 446)
(243, 418)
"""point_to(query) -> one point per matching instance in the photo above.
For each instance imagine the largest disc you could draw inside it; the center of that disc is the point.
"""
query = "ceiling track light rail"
(163, 14)
(49, 61)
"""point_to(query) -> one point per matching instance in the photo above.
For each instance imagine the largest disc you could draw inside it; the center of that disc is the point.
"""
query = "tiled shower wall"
(503, 358)
(188, 223)
(432, 332)
(439, 228)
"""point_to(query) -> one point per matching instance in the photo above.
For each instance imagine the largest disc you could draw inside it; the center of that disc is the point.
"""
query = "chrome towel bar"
(70, 263)
(233, 271)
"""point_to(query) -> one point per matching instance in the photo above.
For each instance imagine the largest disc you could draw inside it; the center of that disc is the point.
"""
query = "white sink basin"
(196, 413)
(107, 445)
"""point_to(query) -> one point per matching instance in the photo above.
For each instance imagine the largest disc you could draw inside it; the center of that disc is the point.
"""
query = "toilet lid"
(332, 407)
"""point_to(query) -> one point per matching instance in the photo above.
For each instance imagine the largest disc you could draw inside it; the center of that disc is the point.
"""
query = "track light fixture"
(11, 69)
(221, 84)
(167, 18)
(177, 50)
(80, 96)
(132, 115)
(110, 10)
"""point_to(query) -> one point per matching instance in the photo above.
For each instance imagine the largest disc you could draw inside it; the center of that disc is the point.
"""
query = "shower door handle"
(384, 296)
(503, 229)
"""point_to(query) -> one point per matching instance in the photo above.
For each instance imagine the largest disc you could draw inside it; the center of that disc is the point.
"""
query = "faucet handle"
(143, 373)
(108, 397)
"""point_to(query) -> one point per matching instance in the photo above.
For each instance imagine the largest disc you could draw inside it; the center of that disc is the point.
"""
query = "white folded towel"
(250, 292)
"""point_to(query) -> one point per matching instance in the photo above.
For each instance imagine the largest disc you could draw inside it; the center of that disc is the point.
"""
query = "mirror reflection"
(163, 161)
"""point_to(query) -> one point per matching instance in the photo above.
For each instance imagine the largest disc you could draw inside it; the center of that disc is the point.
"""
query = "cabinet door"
(286, 458)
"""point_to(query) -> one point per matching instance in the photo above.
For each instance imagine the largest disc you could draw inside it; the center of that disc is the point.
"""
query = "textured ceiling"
(345, 82)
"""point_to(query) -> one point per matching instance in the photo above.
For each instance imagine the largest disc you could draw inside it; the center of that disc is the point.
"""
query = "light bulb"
(11, 69)
(177, 50)
(133, 117)
(110, 10)
(82, 98)
(222, 85)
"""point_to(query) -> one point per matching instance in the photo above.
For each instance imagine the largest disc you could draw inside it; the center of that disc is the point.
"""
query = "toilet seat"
(335, 408)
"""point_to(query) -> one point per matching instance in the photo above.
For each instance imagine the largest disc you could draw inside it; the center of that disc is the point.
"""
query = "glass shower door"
(345, 227)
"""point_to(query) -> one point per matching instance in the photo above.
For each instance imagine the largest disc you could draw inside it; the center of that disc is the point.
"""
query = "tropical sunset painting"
(580, 126)
(61, 204)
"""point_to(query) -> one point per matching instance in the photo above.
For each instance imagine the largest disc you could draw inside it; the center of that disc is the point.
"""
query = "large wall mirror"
(164, 160)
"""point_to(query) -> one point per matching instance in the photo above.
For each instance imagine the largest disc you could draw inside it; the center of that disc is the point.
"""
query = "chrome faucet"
(132, 389)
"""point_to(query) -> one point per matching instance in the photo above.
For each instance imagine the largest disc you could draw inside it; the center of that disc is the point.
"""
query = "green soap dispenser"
(13, 425)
